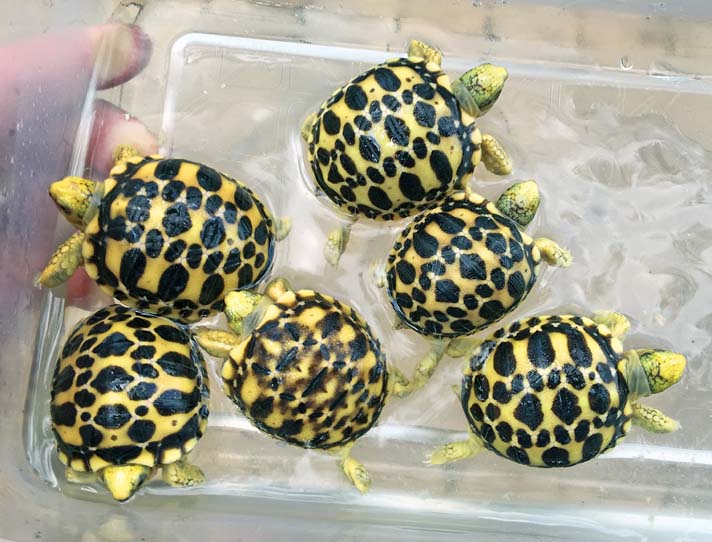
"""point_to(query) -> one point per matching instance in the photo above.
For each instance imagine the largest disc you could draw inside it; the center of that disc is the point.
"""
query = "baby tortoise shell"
(128, 389)
(304, 368)
(392, 140)
(168, 236)
(555, 391)
(311, 373)
(399, 137)
(459, 267)
(548, 391)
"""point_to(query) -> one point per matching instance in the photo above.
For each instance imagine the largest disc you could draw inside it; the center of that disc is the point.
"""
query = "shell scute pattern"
(127, 388)
(548, 392)
(172, 237)
(459, 267)
(311, 373)
(393, 140)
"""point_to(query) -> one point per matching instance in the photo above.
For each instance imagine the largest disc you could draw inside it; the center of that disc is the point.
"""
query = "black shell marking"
(569, 420)
(397, 126)
(171, 237)
(125, 400)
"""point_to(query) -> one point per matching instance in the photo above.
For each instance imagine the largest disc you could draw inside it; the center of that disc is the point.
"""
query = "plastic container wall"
(605, 106)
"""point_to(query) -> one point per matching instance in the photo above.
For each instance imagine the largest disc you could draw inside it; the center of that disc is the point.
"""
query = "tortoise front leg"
(123, 153)
(182, 474)
(216, 342)
(63, 263)
(494, 157)
(419, 49)
(79, 477)
(653, 420)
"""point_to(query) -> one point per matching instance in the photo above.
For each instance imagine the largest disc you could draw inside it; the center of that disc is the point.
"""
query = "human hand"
(43, 87)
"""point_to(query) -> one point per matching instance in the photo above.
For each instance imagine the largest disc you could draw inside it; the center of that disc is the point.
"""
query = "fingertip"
(113, 127)
(78, 287)
(83, 293)
(122, 51)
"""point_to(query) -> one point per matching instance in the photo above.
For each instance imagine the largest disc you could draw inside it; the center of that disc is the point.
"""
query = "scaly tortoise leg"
(354, 469)
(182, 474)
(494, 157)
(63, 263)
(455, 451)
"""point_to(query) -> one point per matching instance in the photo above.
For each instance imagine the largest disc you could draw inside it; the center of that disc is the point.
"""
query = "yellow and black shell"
(548, 391)
(128, 388)
(311, 373)
(459, 267)
(172, 237)
(392, 140)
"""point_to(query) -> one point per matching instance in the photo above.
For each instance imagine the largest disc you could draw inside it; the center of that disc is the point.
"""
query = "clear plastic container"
(606, 107)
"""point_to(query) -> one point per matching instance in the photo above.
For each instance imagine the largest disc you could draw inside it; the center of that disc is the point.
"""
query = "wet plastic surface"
(623, 161)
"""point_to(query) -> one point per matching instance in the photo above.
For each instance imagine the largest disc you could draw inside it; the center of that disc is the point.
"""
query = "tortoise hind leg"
(308, 126)
(398, 383)
(355, 470)
(63, 263)
(520, 202)
(455, 451)
(425, 369)
(336, 243)
(182, 474)
(282, 227)
(553, 253)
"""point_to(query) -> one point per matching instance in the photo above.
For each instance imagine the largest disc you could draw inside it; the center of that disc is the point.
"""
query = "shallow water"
(624, 186)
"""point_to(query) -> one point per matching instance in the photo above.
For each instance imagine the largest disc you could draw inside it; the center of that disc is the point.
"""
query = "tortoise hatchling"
(129, 394)
(400, 136)
(460, 266)
(304, 368)
(555, 391)
(167, 236)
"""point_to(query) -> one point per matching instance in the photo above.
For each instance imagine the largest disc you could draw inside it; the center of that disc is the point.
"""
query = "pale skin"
(243, 311)
(74, 197)
(123, 481)
(659, 368)
(520, 203)
(476, 91)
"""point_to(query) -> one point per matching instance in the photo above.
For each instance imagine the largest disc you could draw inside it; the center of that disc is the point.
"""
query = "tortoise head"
(73, 196)
(478, 88)
(662, 368)
(123, 481)
(520, 202)
(648, 370)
